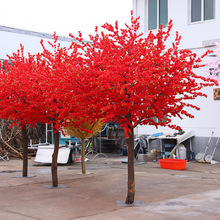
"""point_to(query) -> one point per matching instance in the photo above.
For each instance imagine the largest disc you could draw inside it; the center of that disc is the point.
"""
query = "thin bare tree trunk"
(54, 158)
(131, 181)
(83, 157)
(25, 151)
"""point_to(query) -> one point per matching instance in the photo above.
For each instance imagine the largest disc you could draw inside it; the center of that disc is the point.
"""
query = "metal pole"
(46, 132)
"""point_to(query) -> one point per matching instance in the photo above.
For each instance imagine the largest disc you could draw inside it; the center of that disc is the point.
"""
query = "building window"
(157, 13)
(202, 10)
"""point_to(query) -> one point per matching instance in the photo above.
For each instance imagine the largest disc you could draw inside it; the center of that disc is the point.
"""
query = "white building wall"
(199, 37)
(193, 35)
(11, 38)
(197, 34)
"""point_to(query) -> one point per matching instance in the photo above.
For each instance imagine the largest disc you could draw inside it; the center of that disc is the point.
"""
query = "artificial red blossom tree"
(36, 89)
(133, 79)
(19, 93)
(65, 87)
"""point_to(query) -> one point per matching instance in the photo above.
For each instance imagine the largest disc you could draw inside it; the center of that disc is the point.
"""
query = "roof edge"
(35, 34)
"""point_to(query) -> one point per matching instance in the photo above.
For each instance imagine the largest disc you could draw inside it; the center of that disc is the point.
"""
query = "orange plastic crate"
(173, 164)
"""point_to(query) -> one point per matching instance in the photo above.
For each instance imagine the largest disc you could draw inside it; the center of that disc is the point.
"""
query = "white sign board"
(44, 154)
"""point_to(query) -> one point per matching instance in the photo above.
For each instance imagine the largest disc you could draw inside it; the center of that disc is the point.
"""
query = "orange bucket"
(173, 164)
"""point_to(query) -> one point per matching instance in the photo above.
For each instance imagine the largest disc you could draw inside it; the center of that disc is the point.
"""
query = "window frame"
(158, 15)
(202, 13)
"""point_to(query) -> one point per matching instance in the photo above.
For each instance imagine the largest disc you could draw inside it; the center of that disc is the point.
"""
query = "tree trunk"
(83, 157)
(54, 158)
(131, 182)
(25, 151)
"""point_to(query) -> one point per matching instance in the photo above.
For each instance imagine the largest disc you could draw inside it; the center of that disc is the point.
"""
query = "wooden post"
(131, 180)
(19, 154)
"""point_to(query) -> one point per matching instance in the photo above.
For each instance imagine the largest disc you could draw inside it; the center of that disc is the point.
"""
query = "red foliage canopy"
(119, 76)
(37, 88)
(20, 93)
(133, 79)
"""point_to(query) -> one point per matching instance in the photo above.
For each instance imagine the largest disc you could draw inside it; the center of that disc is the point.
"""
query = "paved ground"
(167, 194)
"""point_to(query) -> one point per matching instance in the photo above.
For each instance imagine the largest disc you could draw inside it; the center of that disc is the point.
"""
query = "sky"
(64, 17)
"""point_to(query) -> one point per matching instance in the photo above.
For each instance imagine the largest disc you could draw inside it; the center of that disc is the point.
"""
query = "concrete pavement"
(168, 194)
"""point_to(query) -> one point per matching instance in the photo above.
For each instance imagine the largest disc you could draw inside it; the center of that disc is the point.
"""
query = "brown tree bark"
(54, 158)
(131, 180)
(25, 151)
(83, 157)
